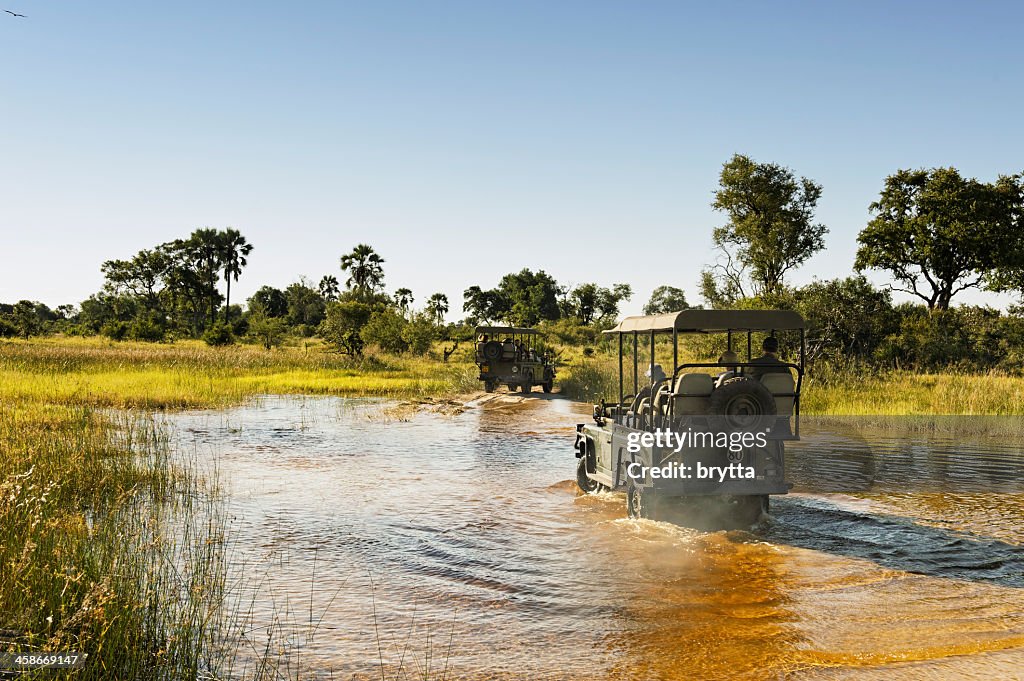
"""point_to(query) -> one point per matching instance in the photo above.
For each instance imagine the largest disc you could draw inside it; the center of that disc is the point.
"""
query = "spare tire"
(492, 351)
(743, 403)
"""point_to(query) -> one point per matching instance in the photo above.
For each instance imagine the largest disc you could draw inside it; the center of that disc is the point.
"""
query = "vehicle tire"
(744, 403)
(641, 503)
(587, 486)
(743, 512)
(492, 351)
(549, 385)
(489, 386)
(527, 385)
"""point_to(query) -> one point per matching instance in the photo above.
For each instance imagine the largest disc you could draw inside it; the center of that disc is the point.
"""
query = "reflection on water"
(457, 545)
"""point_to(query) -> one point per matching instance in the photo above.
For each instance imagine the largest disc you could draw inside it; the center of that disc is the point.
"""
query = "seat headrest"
(778, 383)
(694, 384)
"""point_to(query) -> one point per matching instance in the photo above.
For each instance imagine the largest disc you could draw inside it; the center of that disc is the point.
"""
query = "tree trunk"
(227, 300)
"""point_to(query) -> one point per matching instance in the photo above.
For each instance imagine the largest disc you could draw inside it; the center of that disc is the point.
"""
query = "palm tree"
(437, 307)
(403, 299)
(234, 249)
(329, 287)
(364, 267)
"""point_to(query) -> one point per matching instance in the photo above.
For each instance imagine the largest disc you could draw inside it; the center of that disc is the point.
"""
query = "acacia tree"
(366, 273)
(939, 233)
(234, 249)
(771, 228)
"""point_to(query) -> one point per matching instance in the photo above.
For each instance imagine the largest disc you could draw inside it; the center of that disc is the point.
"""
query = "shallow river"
(456, 547)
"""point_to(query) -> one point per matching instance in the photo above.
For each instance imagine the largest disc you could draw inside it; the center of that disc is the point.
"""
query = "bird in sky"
(14, 14)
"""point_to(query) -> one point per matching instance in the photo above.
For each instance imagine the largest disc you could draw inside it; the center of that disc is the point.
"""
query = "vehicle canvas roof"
(695, 321)
(504, 329)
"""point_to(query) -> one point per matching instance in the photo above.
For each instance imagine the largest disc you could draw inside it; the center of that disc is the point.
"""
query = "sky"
(465, 140)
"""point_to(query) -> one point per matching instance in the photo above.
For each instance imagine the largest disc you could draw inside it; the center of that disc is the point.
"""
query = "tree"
(366, 274)
(385, 330)
(939, 233)
(403, 299)
(770, 229)
(845, 317)
(608, 300)
(666, 299)
(419, 333)
(481, 306)
(329, 287)
(25, 319)
(588, 302)
(267, 330)
(234, 249)
(305, 305)
(269, 301)
(144, 276)
(437, 307)
(343, 323)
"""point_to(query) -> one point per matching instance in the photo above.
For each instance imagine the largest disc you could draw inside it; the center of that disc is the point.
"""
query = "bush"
(7, 329)
(219, 334)
(419, 333)
(385, 329)
(146, 329)
(343, 324)
(115, 330)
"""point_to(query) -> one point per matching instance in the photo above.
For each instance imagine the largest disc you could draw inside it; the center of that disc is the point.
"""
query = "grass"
(110, 544)
(192, 375)
(845, 393)
(108, 547)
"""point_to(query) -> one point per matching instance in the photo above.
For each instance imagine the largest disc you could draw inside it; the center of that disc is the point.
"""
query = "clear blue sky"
(586, 135)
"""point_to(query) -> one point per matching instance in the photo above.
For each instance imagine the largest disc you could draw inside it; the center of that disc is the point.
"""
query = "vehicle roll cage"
(513, 333)
(707, 322)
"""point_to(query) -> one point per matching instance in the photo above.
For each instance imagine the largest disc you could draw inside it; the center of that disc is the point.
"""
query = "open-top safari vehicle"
(508, 354)
(654, 442)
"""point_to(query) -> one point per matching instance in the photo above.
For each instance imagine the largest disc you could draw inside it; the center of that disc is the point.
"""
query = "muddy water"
(456, 547)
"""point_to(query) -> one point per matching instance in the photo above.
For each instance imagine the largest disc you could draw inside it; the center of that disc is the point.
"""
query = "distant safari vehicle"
(508, 355)
(654, 443)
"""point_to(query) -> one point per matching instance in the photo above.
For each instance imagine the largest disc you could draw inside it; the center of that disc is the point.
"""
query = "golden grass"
(192, 375)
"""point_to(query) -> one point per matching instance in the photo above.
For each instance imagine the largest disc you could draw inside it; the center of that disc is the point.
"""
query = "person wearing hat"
(729, 360)
(657, 376)
(771, 364)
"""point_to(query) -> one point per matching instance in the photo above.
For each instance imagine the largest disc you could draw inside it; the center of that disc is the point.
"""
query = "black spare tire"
(742, 403)
(492, 351)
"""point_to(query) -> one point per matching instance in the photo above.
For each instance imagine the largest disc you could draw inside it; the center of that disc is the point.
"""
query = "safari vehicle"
(508, 355)
(620, 450)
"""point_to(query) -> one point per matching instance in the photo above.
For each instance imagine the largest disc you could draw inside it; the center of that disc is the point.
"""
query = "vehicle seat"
(782, 387)
(691, 393)
(508, 351)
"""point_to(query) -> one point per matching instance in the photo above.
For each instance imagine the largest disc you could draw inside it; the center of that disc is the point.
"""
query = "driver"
(771, 364)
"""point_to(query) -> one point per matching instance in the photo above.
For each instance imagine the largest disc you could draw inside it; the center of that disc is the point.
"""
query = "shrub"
(419, 333)
(219, 334)
(385, 329)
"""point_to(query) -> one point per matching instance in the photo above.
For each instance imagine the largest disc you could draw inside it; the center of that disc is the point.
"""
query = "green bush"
(219, 334)
(419, 333)
(385, 329)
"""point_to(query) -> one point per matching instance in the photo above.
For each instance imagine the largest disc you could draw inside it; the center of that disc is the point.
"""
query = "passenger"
(771, 364)
(729, 360)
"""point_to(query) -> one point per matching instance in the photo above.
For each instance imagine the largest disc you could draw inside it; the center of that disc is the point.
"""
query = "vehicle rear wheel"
(549, 385)
(587, 485)
(641, 503)
(527, 385)
(489, 386)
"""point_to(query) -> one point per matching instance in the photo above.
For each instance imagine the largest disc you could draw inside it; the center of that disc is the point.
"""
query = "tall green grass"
(108, 546)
